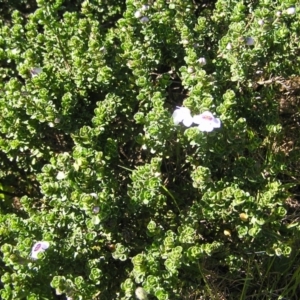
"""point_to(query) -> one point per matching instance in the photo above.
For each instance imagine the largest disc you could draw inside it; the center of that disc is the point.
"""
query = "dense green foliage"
(92, 162)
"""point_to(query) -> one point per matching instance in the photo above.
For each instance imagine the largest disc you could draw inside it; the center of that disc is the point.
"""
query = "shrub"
(129, 202)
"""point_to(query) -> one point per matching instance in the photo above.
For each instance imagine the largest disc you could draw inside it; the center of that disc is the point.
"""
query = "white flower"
(144, 19)
(202, 61)
(35, 71)
(137, 14)
(206, 121)
(190, 70)
(278, 14)
(39, 247)
(56, 121)
(250, 41)
(182, 114)
(291, 11)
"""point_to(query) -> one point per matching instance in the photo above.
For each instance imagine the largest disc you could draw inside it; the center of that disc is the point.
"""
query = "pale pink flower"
(38, 248)
(206, 121)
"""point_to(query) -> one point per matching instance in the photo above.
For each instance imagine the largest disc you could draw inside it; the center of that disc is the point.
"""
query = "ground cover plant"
(149, 150)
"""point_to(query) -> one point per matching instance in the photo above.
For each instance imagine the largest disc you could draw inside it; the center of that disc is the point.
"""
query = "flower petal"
(34, 255)
(180, 114)
(188, 121)
(204, 117)
(206, 126)
(177, 117)
(185, 111)
(45, 245)
(216, 123)
(207, 115)
(197, 119)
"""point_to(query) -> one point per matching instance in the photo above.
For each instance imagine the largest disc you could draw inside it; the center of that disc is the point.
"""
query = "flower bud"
(202, 61)
(145, 7)
(137, 14)
(291, 11)
(261, 22)
(96, 209)
(229, 46)
(144, 19)
(250, 41)
(244, 217)
(227, 232)
(141, 294)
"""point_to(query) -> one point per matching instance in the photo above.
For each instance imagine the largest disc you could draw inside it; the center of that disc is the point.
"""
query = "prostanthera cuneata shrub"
(103, 194)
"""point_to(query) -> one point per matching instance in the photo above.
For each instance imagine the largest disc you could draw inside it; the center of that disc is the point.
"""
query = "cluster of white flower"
(205, 121)
(38, 248)
(56, 121)
(140, 14)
